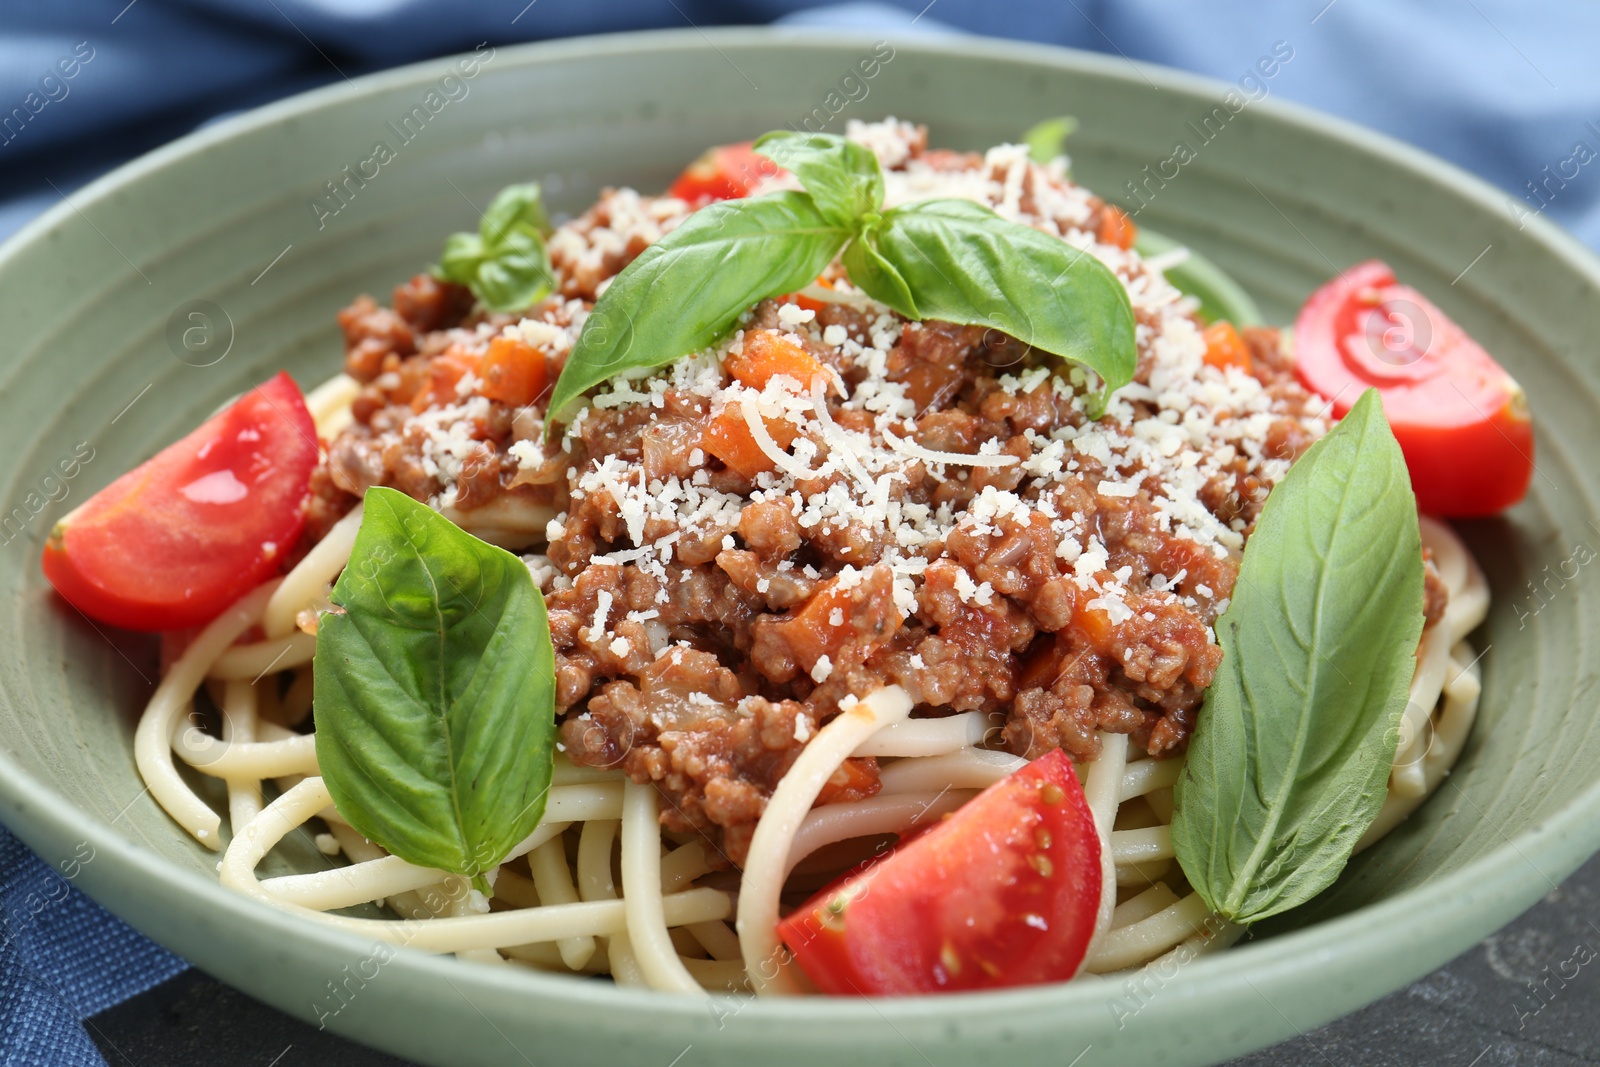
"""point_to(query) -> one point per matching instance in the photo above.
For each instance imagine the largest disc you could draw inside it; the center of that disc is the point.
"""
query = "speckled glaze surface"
(96, 296)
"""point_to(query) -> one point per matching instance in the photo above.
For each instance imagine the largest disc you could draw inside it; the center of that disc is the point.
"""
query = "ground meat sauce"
(948, 518)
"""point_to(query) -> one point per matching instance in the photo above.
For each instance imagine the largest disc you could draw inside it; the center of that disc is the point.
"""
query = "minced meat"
(1003, 553)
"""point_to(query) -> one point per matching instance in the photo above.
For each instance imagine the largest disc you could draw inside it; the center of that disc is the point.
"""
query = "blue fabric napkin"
(62, 959)
(1503, 88)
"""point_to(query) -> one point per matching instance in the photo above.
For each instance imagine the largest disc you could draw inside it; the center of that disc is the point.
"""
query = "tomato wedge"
(1002, 892)
(1461, 420)
(176, 540)
(724, 173)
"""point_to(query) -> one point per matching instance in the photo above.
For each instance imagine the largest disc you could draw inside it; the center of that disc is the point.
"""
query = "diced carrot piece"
(807, 302)
(840, 623)
(514, 372)
(1041, 664)
(856, 779)
(728, 437)
(1094, 627)
(1116, 228)
(813, 633)
(767, 355)
(1225, 348)
(445, 372)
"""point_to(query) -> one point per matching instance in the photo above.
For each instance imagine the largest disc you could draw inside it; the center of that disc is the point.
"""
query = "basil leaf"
(517, 275)
(435, 691)
(462, 254)
(516, 209)
(511, 283)
(1221, 298)
(877, 277)
(843, 177)
(965, 264)
(687, 289)
(1289, 759)
(505, 263)
(1046, 139)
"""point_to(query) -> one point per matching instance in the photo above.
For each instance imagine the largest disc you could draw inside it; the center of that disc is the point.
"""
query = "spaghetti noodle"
(588, 811)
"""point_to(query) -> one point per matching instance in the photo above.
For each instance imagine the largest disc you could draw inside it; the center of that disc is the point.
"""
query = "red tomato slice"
(1461, 420)
(1002, 892)
(725, 173)
(176, 540)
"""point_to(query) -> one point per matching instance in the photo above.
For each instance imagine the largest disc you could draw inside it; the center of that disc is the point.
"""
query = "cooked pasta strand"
(766, 864)
(152, 739)
(641, 893)
(554, 882)
(250, 662)
(450, 933)
(1133, 944)
(310, 577)
(970, 768)
(239, 727)
(1100, 788)
(927, 737)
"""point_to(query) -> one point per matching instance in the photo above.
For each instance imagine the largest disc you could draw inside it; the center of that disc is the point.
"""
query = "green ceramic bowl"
(96, 296)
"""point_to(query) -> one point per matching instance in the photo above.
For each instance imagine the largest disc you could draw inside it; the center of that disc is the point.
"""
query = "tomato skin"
(727, 172)
(1005, 891)
(1461, 420)
(173, 542)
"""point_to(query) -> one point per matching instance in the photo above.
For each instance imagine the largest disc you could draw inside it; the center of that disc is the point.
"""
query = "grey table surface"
(1528, 995)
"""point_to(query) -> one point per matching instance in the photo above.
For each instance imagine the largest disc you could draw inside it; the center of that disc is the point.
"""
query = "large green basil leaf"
(965, 264)
(1292, 751)
(687, 289)
(843, 177)
(1221, 298)
(876, 276)
(435, 691)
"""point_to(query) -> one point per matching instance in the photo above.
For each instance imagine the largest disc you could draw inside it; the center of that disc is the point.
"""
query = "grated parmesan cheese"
(1163, 440)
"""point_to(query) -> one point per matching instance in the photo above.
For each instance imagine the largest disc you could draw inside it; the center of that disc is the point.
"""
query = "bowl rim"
(1510, 875)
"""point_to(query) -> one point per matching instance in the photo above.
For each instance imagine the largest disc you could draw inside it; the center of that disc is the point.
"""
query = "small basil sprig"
(1291, 752)
(1045, 140)
(505, 263)
(841, 176)
(435, 691)
(946, 259)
